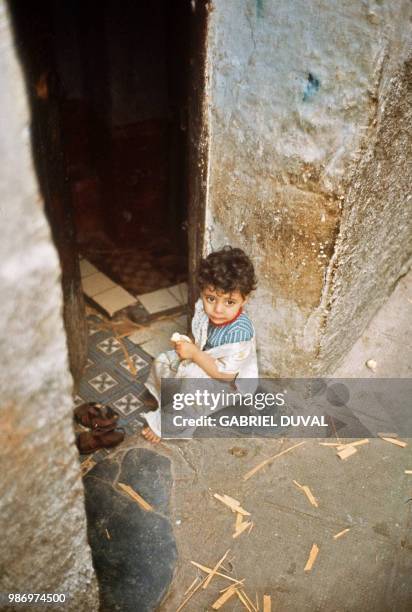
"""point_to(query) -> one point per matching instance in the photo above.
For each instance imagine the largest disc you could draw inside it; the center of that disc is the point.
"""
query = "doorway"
(116, 94)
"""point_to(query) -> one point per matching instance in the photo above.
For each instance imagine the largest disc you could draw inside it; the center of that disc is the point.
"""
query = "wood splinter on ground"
(267, 603)
(242, 528)
(224, 597)
(395, 441)
(342, 447)
(312, 558)
(208, 570)
(258, 467)
(231, 503)
(251, 604)
(189, 588)
(204, 583)
(347, 452)
(238, 584)
(308, 493)
(341, 533)
(330, 443)
(215, 569)
(387, 435)
(136, 497)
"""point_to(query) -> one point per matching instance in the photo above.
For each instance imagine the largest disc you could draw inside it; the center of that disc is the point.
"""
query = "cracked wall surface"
(309, 131)
(44, 545)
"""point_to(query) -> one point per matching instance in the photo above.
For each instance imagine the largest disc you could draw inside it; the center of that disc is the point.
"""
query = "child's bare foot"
(149, 435)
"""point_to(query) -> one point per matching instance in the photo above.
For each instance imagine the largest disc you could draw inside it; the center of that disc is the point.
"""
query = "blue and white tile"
(128, 403)
(109, 346)
(103, 382)
(138, 362)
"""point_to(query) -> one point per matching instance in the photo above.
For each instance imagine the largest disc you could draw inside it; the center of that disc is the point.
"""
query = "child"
(224, 346)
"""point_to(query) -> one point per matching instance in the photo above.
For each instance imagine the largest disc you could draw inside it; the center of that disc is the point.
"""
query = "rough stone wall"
(44, 546)
(307, 123)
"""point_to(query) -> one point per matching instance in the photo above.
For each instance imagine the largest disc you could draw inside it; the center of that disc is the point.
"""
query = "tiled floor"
(137, 269)
(112, 297)
(107, 379)
(117, 368)
(158, 301)
(155, 338)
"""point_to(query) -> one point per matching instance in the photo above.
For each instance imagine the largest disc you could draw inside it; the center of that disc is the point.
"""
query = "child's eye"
(210, 298)
(230, 302)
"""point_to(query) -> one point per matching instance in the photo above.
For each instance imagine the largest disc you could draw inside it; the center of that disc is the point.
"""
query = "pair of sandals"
(102, 420)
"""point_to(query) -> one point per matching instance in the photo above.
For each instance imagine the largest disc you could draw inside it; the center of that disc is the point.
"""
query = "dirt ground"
(368, 568)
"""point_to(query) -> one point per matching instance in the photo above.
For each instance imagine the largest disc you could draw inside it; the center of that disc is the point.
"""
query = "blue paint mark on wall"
(311, 88)
(259, 8)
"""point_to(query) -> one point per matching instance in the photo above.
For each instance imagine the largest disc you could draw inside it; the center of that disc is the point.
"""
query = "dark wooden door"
(33, 35)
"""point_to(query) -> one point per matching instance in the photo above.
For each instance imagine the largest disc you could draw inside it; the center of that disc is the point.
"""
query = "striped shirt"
(241, 329)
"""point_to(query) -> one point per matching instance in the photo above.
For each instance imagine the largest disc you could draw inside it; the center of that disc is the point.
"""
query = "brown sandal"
(96, 416)
(89, 442)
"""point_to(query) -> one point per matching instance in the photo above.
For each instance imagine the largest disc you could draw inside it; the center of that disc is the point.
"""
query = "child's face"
(221, 307)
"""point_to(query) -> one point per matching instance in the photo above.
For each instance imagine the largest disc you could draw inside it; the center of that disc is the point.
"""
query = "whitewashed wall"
(301, 95)
(44, 545)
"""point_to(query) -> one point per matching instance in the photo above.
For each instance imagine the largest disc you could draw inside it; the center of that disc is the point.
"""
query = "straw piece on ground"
(214, 570)
(244, 601)
(241, 529)
(269, 460)
(357, 443)
(239, 521)
(208, 570)
(267, 603)
(346, 452)
(312, 558)
(136, 497)
(191, 586)
(252, 524)
(224, 598)
(257, 603)
(231, 505)
(308, 494)
(400, 443)
(408, 471)
(341, 533)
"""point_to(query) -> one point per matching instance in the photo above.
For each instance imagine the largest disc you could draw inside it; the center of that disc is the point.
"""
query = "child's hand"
(185, 350)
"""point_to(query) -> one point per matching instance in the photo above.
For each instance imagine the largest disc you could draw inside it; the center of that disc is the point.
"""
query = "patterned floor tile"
(109, 346)
(103, 382)
(138, 362)
(128, 404)
(107, 379)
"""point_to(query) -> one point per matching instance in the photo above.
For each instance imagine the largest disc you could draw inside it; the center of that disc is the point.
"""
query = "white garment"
(237, 357)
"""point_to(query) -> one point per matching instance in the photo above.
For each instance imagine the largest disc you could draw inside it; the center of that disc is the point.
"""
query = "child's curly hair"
(227, 270)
